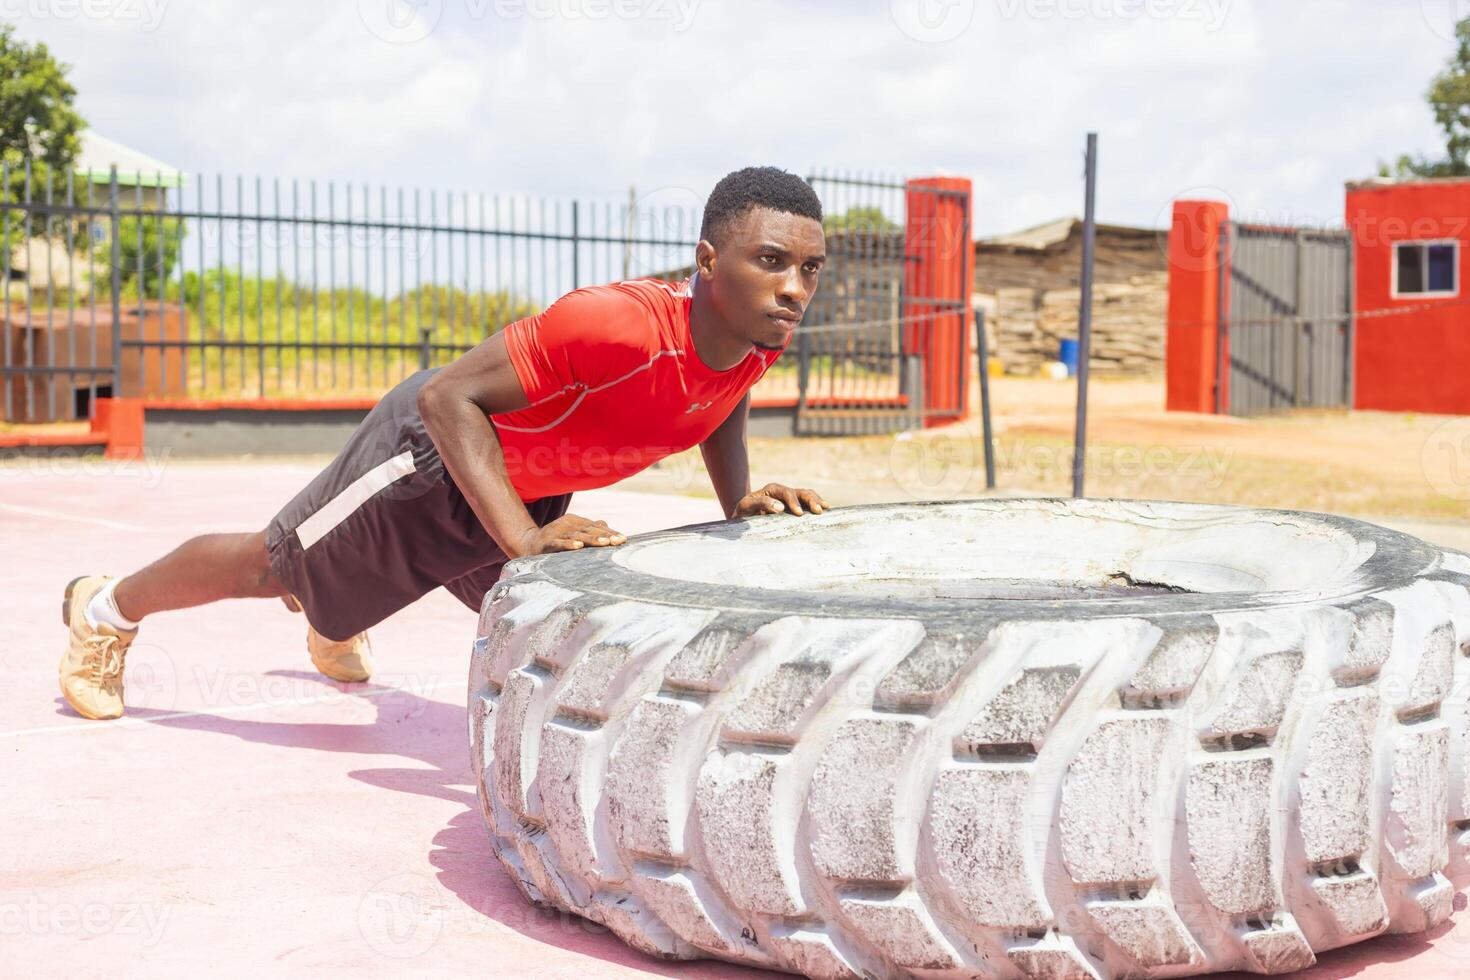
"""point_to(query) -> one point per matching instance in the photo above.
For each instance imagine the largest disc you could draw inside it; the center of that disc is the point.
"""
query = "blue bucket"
(1068, 356)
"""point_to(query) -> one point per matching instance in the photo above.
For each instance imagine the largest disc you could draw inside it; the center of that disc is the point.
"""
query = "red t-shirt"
(615, 385)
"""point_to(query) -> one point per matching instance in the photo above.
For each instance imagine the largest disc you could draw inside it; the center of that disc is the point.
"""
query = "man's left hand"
(774, 498)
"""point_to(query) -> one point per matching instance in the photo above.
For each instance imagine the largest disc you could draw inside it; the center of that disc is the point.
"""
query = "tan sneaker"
(92, 668)
(348, 661)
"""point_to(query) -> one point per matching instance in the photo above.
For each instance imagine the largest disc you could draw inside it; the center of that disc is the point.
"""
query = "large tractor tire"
(1034, 738)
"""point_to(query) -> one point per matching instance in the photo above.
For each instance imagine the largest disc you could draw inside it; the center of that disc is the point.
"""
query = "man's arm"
(728, 463)
(726, 459)
(455, 405)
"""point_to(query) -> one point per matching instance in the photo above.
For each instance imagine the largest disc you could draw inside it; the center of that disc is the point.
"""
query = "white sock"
(103, 609)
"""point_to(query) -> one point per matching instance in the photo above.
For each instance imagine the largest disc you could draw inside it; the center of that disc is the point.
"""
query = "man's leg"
(101, 613)
(380, 527)
(336, 551)
(203, 569)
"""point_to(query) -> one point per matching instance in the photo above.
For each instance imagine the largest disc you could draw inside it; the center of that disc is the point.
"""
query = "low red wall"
(121, 421)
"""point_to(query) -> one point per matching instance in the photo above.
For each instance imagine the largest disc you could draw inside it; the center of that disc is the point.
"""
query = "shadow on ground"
(434, 734)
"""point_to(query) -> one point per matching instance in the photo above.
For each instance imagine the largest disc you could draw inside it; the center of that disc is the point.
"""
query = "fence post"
(630, 229)
(1222, 321)
(1349, 359)
(803, 374)
(115, 260)
(1197, 272)
(1301, 334)
(913, 375)
(7, 378)
(1084, 316)
(982, 353)
(576, 247)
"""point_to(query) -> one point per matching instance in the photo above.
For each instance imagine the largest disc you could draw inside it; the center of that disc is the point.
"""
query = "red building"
(1402, 260)
(1411, 242)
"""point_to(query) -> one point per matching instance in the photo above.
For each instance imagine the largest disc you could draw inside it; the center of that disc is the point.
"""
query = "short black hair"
(757, 187)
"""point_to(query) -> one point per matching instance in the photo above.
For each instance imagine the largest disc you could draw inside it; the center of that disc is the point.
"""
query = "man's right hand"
(569, 533)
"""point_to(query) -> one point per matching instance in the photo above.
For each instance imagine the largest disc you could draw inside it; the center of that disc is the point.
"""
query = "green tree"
(866, 218)
(148, 251)
(1449, 97)
(37, 124)
(37, 118)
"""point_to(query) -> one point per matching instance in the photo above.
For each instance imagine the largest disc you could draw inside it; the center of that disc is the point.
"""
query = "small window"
(1426, 268)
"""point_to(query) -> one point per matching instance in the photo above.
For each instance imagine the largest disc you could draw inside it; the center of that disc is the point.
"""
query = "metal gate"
(851, 372)
(1287, 330)
(884, 344)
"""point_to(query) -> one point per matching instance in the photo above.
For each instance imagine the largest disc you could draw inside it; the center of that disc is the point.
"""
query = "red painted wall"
(1418, 361)
(941, 256)
(1194, 281)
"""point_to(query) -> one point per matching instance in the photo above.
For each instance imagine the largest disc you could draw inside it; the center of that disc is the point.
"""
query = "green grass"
(223, 307)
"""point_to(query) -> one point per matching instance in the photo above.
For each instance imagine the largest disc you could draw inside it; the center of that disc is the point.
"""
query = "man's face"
(765, 273)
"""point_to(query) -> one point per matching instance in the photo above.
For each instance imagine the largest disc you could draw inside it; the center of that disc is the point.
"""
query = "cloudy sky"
(1270, 104)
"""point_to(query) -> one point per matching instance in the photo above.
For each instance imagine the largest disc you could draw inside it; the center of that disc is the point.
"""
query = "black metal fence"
(214, 289)
(852, 374)
(883, 346)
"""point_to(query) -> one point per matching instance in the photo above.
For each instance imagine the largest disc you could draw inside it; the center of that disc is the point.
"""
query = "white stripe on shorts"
(357, 493)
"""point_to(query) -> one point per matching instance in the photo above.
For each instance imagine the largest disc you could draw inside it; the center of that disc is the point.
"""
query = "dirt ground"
(1405, 470)
(1400, 469)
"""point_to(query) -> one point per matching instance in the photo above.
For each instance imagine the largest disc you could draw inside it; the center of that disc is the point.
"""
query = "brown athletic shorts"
(384, 524)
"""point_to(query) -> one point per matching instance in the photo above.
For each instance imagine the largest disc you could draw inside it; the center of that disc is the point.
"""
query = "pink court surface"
(250, 818)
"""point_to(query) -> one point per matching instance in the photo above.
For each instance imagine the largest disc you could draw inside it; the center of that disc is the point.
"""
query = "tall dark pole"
(1084, 317)
(114, 229)
(982, 354)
